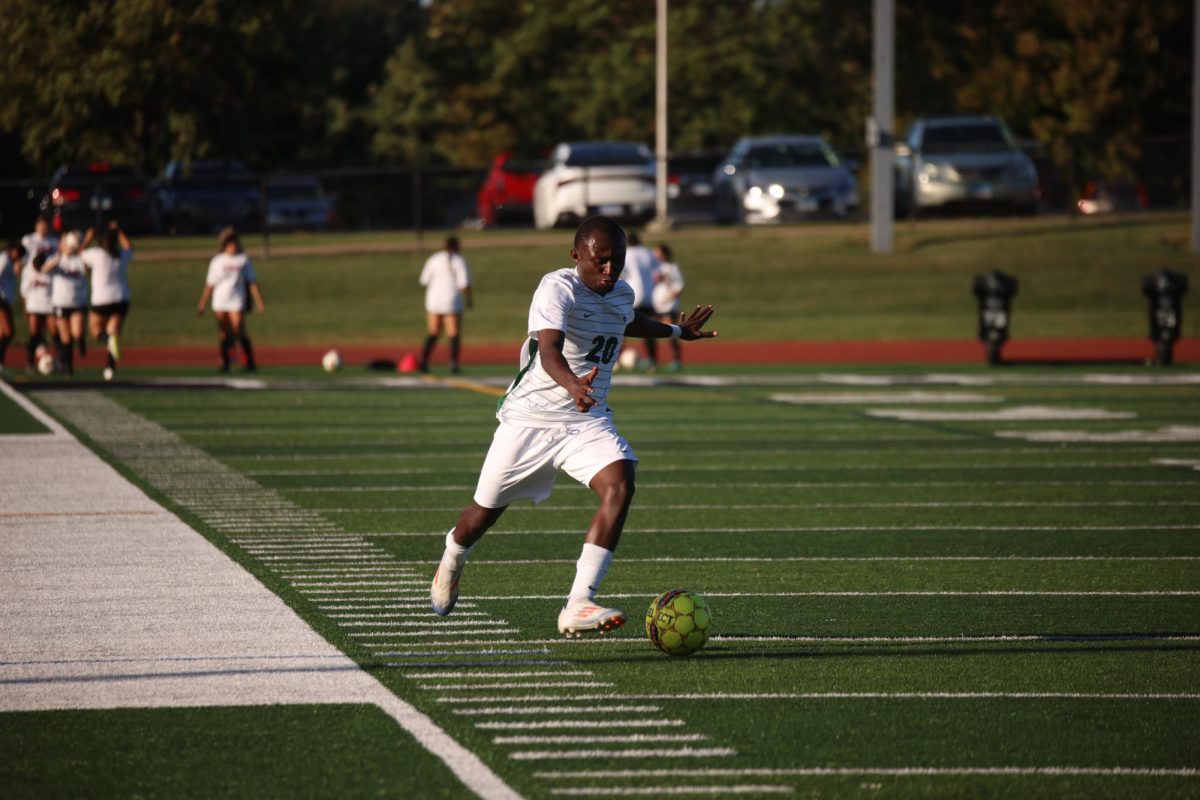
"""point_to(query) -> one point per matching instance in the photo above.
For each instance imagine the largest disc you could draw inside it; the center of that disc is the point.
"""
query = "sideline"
(109, 601)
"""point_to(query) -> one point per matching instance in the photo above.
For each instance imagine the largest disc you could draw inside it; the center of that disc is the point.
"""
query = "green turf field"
(975, 584)
(1079, 278)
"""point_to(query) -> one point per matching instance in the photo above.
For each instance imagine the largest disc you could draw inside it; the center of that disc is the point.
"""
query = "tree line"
(306, 84)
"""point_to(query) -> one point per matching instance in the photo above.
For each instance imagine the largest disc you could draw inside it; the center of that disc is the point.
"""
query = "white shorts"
(522, 463)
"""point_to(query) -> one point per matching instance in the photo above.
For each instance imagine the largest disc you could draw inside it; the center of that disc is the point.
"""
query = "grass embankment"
(812, 282)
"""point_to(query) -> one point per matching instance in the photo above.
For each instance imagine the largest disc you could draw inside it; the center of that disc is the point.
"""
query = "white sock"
(455, 554)
(589, 571)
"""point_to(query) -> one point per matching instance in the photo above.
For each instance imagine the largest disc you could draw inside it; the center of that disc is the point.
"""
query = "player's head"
(14, 249)
(634, 239)
(452, 244)
(112, 241)
(229, 240)
(41, 225)
(599, 253)
(70, 243)
(663, 251)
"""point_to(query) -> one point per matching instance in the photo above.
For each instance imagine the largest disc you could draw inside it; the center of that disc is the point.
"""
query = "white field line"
(580, 724)
(739, 696)
(368, 606)
(489, 711)
(793, 506)
(839, 529)
(457, 687)
(775, 485)
(509, 662)
(898, 772)
(673, 789)
(417, 634)
(32, 410)
(620, 738)
(421, 624)
(756, 559)
(381, 615)
(407, 581)
(670, 752)
(726, 639)
(467, 675)
(796, 467)
(914, 593)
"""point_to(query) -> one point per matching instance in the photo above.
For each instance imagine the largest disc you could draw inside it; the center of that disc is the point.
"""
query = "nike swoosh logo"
(587, 315)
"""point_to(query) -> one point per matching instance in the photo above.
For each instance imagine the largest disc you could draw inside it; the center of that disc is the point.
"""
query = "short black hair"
(452, 243)
(666, 251)
(598, 224)
(15, 244)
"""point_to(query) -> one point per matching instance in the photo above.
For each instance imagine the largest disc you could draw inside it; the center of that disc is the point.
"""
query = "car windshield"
(969, 138)
(608, 155)
(522, 166)
(294, 191)
(790, 154)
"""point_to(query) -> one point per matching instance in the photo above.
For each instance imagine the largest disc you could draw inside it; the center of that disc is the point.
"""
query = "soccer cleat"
(584, 616)
(443, 593)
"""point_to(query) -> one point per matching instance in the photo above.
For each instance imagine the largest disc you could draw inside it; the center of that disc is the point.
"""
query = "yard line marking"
(637, 791)
(369, 605)
(1148, 772)
(559, 724)
(713, 696)
(407, 581)
(756, 559)
(412, 634)
(794, 506)
(913, 593)
(837, 529)
(470, 675)
(557, 709)
(397, 616)
(488, 652)
(866, 398)
(511, 662)
(1009, 414)
(672, 752)
(622, 738)
(421, 624)
(776, 485)
(454, 687)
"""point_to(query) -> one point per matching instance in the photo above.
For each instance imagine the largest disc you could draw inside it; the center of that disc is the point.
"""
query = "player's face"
(600, 261)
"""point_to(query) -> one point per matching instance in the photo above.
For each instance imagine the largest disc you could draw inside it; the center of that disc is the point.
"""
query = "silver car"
(964, 162)
(767, 179)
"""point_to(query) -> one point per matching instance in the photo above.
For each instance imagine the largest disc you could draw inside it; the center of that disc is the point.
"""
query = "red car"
(507, 192)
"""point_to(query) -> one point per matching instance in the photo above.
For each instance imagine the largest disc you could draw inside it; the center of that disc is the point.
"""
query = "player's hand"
(199, 311)
(691, 324)
(581, 392)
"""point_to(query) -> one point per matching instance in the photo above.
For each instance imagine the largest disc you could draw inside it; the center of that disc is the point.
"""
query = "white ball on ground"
(332, 361)
(628, 359)
(45, 364)
(109, 374)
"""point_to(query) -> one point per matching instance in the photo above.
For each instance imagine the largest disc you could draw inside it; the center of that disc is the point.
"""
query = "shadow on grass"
(1024, 232)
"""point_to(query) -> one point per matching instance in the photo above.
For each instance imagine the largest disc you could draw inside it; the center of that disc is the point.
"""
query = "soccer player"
(447, 281)
(231, 282)
(555, 415)
(110, 290)
(10, 266)
(668, 285)
(641, 269)
(69, 293)
(39, 309)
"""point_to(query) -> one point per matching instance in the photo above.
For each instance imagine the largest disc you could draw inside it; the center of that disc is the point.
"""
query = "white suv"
(615, 179)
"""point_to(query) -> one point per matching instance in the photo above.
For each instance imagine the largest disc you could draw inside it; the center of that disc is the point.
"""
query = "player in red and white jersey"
(555, 416)
(231, 282)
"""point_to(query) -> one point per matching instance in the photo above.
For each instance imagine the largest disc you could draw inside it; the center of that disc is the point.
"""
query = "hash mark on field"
(490, 674)
(554, 724)
(836, 529)
(1149, 772)
(557, 709)
(655, 791)
(622, 738)
(710, 696)
(454, 687)
(672, 752)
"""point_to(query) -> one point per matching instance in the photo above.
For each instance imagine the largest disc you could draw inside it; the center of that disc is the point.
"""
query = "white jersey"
(8, 279)
(229, 277)
(594, 325)
(666, 290)
(69, 282)
(110, 276)
(35, 291)
(444, 277)
(35, 244)
(640, 267)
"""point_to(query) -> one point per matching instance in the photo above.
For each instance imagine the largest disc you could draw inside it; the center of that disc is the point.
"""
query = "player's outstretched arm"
(691, 326)
(550, 345)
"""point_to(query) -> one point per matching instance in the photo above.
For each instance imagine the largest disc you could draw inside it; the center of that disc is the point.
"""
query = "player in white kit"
(69, 293)
(231, 282)
(555, 415)
(109, 264)
(447, 281)
(39, 309)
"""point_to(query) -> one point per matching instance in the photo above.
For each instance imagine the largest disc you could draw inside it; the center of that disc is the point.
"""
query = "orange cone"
(408, 364)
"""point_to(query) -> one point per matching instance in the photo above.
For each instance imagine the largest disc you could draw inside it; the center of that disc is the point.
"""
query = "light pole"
(662, 220)
(879, 127)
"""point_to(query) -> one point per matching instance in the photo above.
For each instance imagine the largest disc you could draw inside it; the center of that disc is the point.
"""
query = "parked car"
(90, 195)
(690, 184)
(203, 196)
(1111, 196)
(964, 162)
(507, 192)
(767, 179)
(298, 202)
(583, 178)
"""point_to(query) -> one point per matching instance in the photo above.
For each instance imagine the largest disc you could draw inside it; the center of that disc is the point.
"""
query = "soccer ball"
(332, 361)
(628, 359)
(46, 364)
(678, 622)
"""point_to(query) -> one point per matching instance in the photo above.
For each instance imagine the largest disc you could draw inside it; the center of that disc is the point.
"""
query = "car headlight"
(776, 191)
(755, 192)
(937, 173)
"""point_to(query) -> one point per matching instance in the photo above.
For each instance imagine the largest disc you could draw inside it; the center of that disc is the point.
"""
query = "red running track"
(1020, 351)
